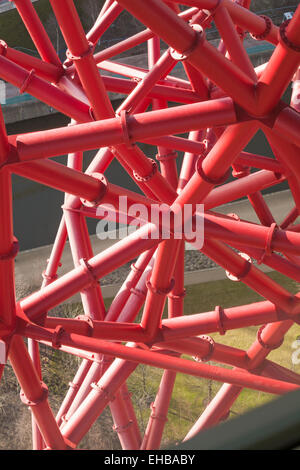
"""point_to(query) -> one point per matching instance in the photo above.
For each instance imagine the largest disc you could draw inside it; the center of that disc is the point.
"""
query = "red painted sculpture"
(221, 104)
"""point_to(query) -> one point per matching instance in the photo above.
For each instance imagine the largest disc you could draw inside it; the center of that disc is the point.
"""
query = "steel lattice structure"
(221, 104)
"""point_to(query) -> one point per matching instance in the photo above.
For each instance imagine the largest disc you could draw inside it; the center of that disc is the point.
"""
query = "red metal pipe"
(103, 22)
(281, 67)
(183, 38)
(231, 39)
(201, 349)
(190, 158)
(215, 410)
(159, 285)
(135, 40)
(93, 188)
(69, 284)
(142, 89)
(43, 90)
(220, 320)
(236, 189)
(45, 70)
(159, 411)
(92, 300)
(216, 164)
(98, 398)
(37, 438)
(241, 16)
(35, 394)
(166, 362)
(37, 32)
(287, 124)
(259, 161)
(93, 135)
(132, 71)
(8, 245)
(245, 233)
(261, 208)
(250, 275)
(130, 283)
(74, 385)
(80, 52)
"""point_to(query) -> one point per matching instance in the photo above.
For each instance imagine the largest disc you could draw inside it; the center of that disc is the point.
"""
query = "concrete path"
(30, 264)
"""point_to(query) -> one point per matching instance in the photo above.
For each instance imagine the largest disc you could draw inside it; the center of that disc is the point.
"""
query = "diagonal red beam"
(42, 90)
(103, 22)
(80, 51)
(43, 69)
(35, 394)
(37, 32)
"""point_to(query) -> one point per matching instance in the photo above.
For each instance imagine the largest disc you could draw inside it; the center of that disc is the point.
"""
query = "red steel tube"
(45, 70)
(130, 283)
(242, 187)
(43, 90)
(37, 438)
(69, 284)
(259, 161)
(88, 187)
(281, 67)
(215, 410)
(261, 208)
(183, 38)
(135, 40)
(232, 41)
(270, 335)
(103, 22)
(159, 285)
(80, 52)
(249, 234)
(159, 411)
(216, 164)
(200, 349)
(37, 32)
(168, 91)
(135, 72)
(250, 275)
(287, 124)
(81, 248)
(98, 398)
(8, 245)
(108, 132)
(34, 394)
(220, 320)
(189, 159)
(167, 362)
(241, 16)
(74, 385)
(142, 89)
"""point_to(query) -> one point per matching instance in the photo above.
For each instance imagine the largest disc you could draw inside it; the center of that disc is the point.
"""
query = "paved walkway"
(30, 264)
